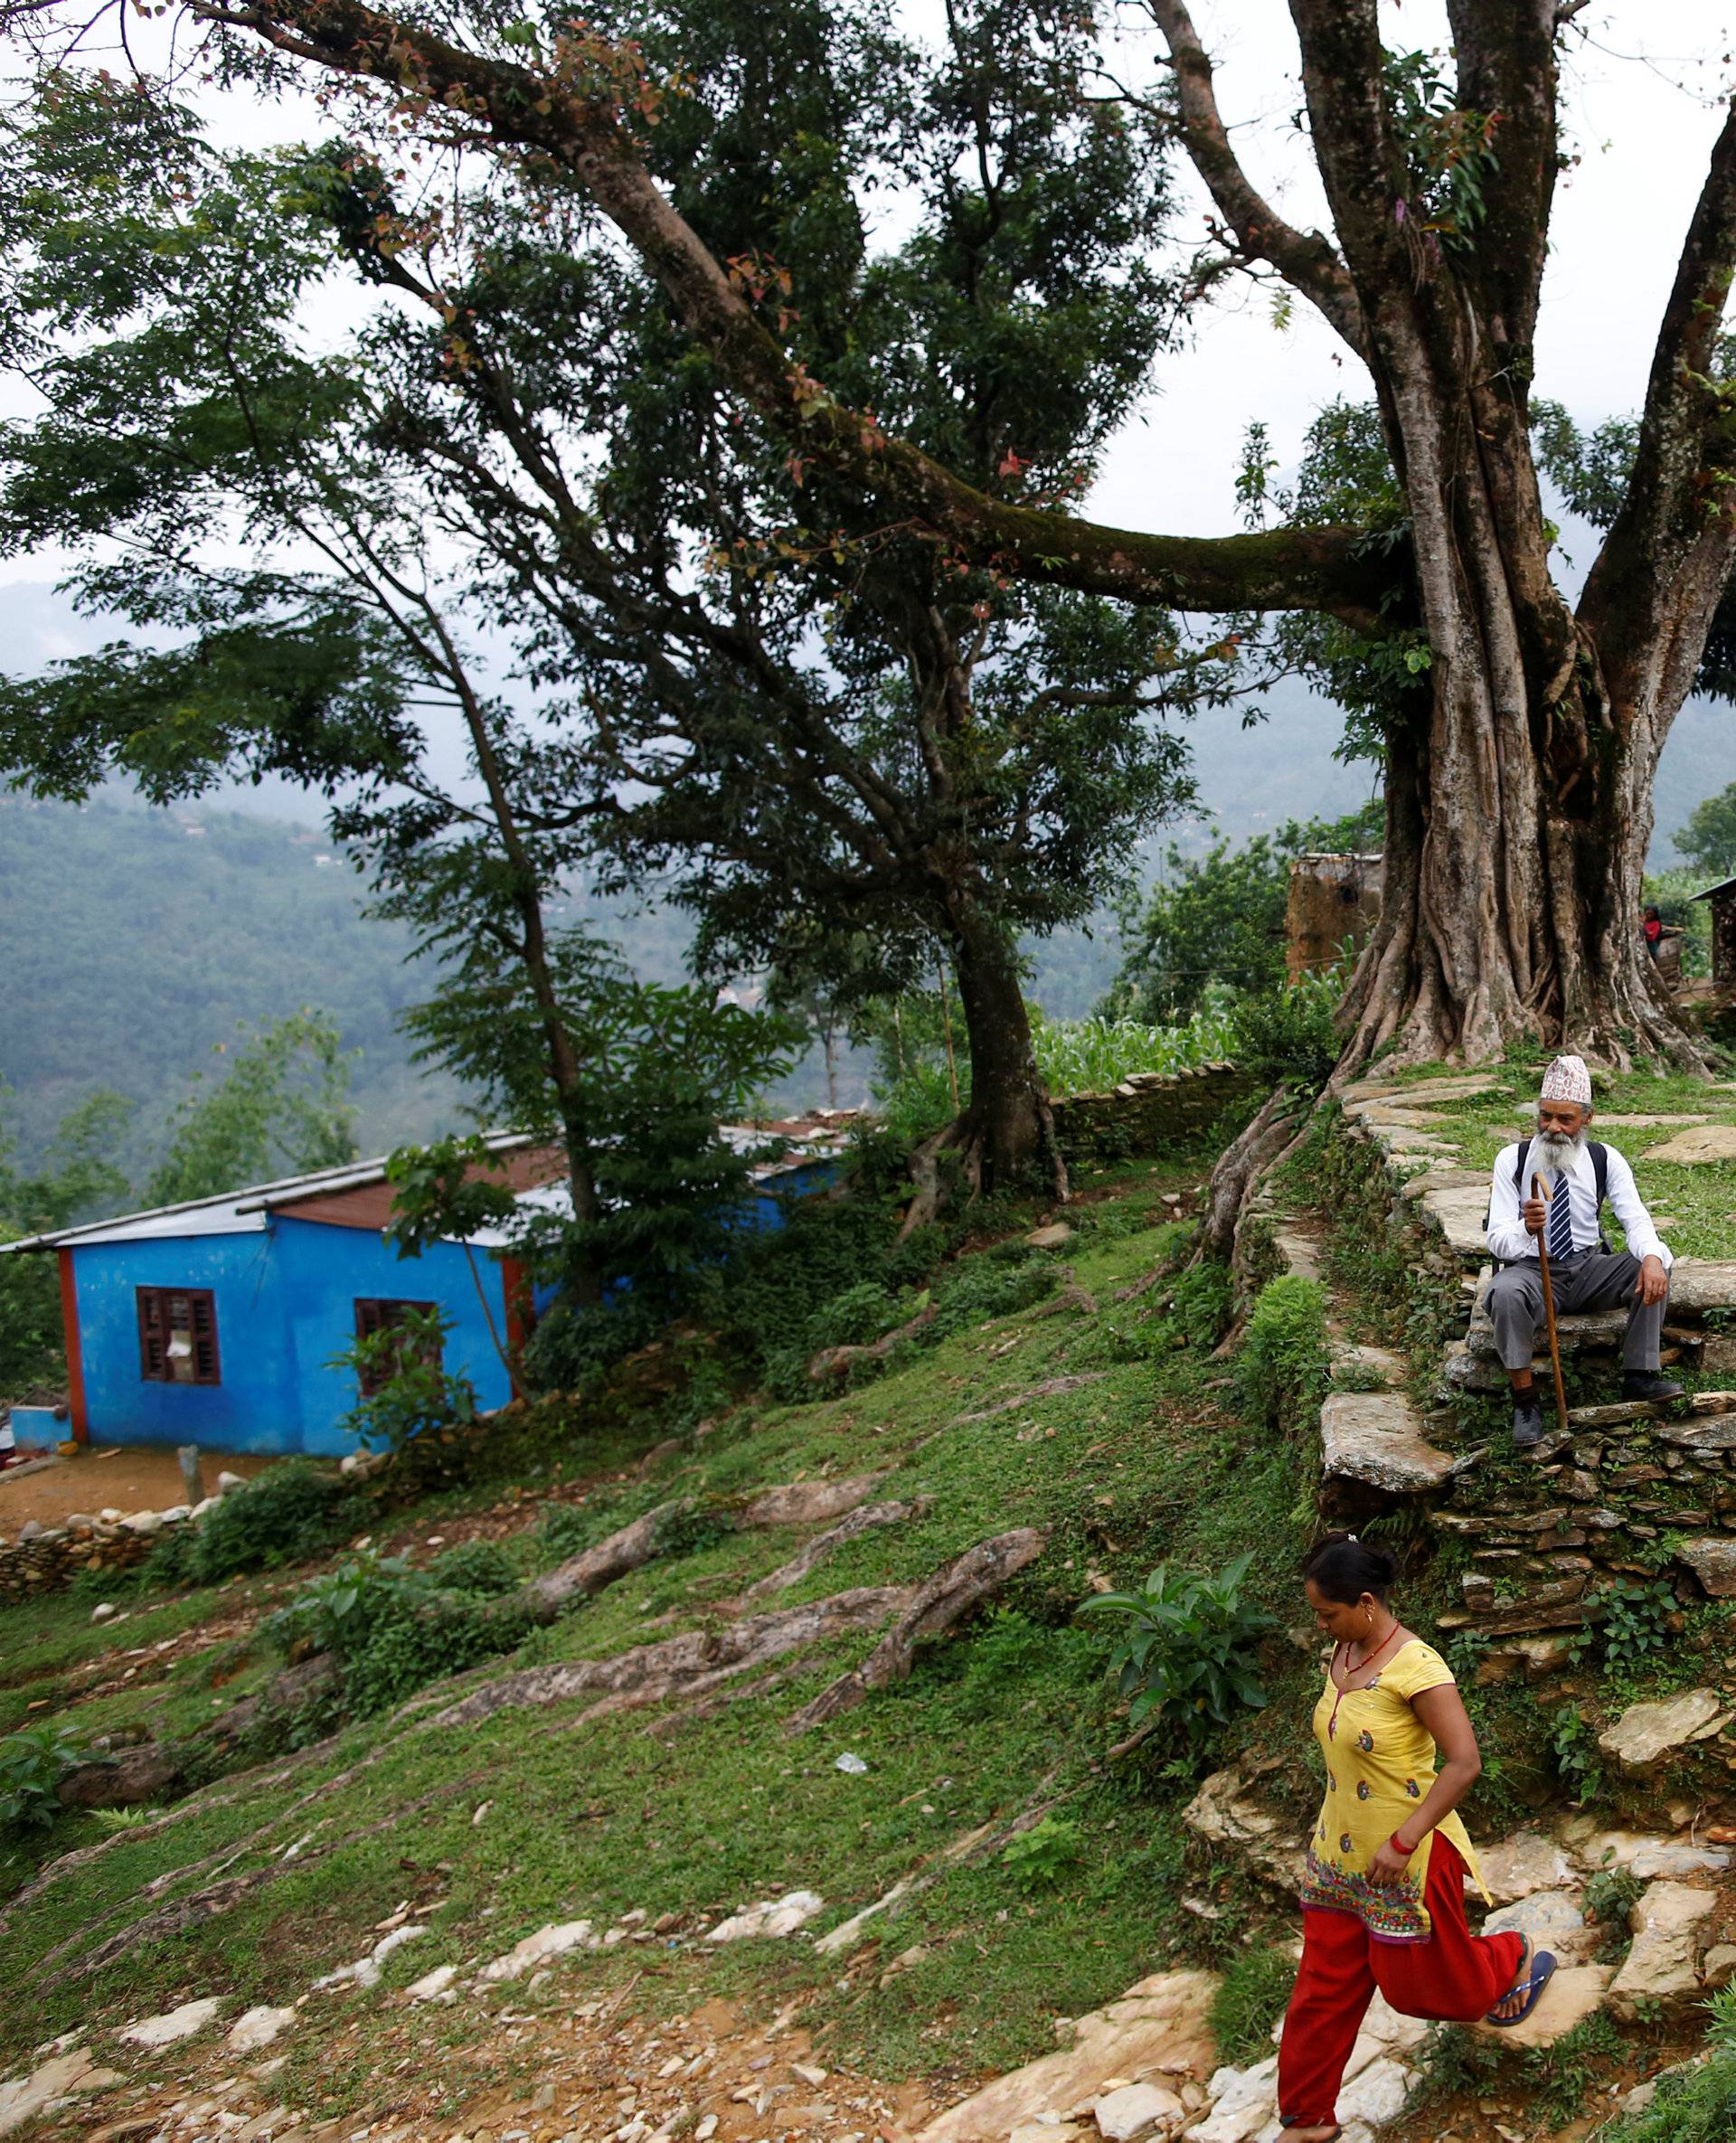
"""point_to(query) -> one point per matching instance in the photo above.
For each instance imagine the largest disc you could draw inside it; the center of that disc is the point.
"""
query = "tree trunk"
(1011, 1129)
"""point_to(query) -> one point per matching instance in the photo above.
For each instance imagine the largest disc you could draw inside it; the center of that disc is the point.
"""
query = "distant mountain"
(133, 940)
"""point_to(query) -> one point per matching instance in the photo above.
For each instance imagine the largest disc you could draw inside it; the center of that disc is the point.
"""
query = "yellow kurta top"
(1380, 1764)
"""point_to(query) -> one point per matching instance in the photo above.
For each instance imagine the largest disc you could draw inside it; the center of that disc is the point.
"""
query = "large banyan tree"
(1523, 730)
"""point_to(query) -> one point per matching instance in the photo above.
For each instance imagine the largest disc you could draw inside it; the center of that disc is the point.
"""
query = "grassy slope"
(635, 1811)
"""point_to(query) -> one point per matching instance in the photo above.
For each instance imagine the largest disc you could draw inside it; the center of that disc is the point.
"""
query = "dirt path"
(126, 1477)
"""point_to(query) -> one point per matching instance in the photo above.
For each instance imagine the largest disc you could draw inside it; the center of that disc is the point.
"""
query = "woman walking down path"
(1384, 1897)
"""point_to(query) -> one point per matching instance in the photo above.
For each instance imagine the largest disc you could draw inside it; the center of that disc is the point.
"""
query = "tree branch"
(1667, 512)
(1308, 260)
(504, 105)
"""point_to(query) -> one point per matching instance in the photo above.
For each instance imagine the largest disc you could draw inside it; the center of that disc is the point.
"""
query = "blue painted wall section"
(285, 1304)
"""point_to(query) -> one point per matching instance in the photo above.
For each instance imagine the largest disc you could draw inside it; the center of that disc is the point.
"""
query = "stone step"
(1375, 1440)
(1698, 1405)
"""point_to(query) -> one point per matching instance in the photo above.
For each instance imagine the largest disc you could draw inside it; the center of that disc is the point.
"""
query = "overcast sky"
(1643, 101)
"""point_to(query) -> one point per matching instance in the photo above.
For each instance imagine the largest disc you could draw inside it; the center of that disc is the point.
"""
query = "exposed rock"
(1648, 1731)
(845, 1934)
(774, 1917)
(1224, 1815)
(258, 2027)
(365, 1970)
(132, 1778)
(227, 1482)
(1366, 1365)
(1553, 1919)
(173, 2023)
(1375, 1440)
(546, 1942)
(1522, 1864)
(1702, 1284)
(66, 2075)
(1694, 1149)
(1714, 1563)
(1660, 1966)
(1159, 2027)
(1137, 2110)
(1243, 2101)
(1377, 2096)
(1300, 1254)
(1458, 1214)
(1575, 1993)
(1648, 1856)
(1052, 1237)
(433, 1985)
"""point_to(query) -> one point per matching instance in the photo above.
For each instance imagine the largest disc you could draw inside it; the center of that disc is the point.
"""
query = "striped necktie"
(1561, 1221)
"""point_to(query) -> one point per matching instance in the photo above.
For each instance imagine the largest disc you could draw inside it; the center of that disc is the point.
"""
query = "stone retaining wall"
(1626, 1492)
(1151, 1109)
(51, 1556)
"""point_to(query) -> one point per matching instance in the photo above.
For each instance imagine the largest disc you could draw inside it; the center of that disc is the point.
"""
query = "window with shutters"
(178, 1335)
(385, 1313)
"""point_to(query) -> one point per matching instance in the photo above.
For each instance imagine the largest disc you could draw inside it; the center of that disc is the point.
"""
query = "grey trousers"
(1589, 1280)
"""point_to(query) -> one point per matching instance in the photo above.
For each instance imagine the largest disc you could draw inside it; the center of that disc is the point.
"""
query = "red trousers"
(1454, 1977)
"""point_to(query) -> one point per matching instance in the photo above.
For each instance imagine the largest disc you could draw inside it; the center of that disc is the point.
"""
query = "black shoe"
(1648, 1385)
(1527, 1420)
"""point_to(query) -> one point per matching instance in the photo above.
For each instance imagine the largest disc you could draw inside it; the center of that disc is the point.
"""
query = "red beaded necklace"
(1332, 1723)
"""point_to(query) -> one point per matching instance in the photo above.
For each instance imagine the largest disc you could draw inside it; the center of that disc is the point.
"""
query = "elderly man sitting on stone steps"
(1586, 1274)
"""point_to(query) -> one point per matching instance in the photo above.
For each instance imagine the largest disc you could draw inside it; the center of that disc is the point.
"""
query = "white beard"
(1559, 1152)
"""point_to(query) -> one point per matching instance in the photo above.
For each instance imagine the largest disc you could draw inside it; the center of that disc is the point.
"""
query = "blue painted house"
(215, 1323)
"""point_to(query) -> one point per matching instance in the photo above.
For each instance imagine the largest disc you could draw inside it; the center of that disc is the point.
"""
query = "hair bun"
(1344, 1568)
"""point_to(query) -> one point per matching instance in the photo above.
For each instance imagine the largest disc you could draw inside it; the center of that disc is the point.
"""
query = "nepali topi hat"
(1567, 1079)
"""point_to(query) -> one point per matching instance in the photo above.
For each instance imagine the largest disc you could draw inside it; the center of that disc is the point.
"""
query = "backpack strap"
(1599, 1169)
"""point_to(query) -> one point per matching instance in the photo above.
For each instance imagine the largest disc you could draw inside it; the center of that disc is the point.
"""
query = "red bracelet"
(1403, 1852)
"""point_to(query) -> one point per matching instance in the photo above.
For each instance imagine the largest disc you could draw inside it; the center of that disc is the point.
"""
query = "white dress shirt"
(1507, 1236)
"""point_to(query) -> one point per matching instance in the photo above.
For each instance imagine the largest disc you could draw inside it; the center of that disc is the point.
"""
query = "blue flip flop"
(1541, 1971)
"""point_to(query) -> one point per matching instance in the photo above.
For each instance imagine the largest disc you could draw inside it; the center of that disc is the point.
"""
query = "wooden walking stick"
(1537, 1191)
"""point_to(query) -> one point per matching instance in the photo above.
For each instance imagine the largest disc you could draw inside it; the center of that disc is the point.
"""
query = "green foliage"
(479, 1566)
(1636, 1624)
(1202, 1302)
(404, 1387)
(1217, 920)
(1250, 1997)
(1574, 1746)
(1610, 1895)
(290, 1513)
(280, 1109)
(1189, 1655)
(1282, 1367)
(1082, 1056)
(76, 1180)
(1559, 2076)
(1039, 1858)
(393, 1628)
(32, 1765)
(1709, 838)
(1455, 2061)
(1451, 154)
(1290, 1035)
(657, 1071)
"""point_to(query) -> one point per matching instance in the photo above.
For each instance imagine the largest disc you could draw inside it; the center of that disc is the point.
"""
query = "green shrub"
(568, 1529)
(1290, 1035)
(1201, 1303)
(982, 1288)
(482, 1567)
(1281, 1370)
(1635, 1624)
(1693, 2105)
(1190, 1649)
(404, 1388)
(392, 1628)
(32, 1765)
(1250, 1999)
(1575, 1749)
(1039, 1857)
(291, 1513)
(1609, 1897)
